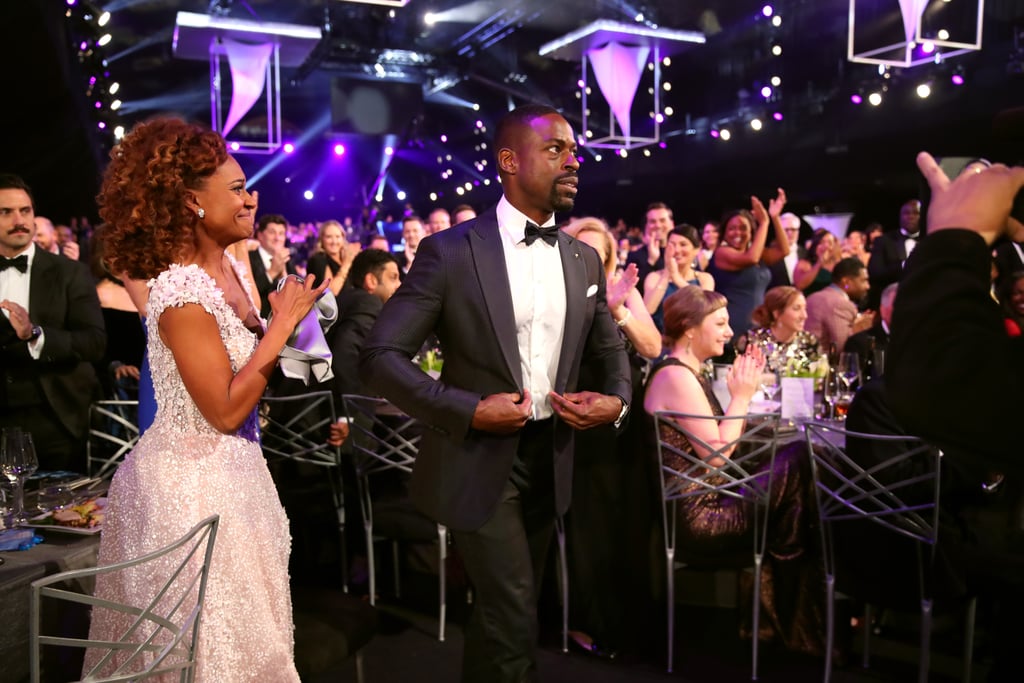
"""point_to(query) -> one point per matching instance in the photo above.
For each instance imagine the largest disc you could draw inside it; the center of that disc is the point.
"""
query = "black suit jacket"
(357, 312)
(952, 374)
(888, 252)
(865, 343)
(263, 282)
(458, 288)
(63, 301)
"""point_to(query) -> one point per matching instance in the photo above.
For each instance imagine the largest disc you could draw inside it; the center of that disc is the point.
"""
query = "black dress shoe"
(592, 648)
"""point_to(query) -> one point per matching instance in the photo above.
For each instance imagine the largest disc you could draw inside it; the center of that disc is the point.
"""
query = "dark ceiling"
(829, 153)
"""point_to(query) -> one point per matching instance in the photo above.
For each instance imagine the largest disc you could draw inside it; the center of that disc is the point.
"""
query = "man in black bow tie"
(516, 309)
(50, 333)
(891, 250)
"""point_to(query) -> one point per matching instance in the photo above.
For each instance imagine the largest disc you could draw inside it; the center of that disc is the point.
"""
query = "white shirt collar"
(29, 251)
(512, 221)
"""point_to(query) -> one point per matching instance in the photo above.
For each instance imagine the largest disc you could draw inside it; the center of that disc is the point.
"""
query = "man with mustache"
(516, 306)
(50, 333)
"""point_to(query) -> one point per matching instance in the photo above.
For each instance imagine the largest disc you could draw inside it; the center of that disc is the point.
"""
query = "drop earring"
(202, 213)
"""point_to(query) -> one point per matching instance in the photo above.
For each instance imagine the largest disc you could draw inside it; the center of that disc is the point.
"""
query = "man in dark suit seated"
(51, 332)
(272, 260)
(870, 344)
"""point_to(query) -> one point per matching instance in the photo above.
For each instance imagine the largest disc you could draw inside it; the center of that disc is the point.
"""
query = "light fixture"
(756, 124)
(766, 92)
(114, 87)
(776, 81)
(289, 148)
(767, 10)
(339, 149)
(104, 39)
(308, 194)
(104, 18)
(924, 90)
(724, 134)
(856, 98)
(875, 99)
(115, 105)
(776, 50)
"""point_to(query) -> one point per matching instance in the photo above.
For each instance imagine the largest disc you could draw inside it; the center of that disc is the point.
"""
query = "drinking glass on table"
(17, 462)
(769, 383)
(849, 370)
(832, 391)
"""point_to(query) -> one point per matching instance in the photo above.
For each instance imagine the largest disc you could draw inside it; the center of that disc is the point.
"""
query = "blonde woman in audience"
(333, 252)
(680, 250)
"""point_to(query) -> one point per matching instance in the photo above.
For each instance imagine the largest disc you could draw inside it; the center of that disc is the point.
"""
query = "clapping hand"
(758, 211)
(294, 299)
(744, 376)
(777, 204)
(619, 286)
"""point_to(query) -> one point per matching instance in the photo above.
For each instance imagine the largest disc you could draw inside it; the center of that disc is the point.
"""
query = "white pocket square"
(591, 291)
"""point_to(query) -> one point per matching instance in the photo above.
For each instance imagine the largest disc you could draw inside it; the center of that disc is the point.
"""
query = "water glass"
(17, 462)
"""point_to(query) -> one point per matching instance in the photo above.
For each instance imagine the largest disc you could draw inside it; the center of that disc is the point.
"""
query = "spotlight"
(115, 105)
(776, 81)
(667, 61)
(235, 146)
(119, 132)
(400, 195)
(724, 134)
(114, 87)
(476, 107)
(924, 90)
(104, 39)
(289, 148)
(766, 92)
(777, 116)
(856, 99)
(101, 125)
(927, 47)
(875, 99)
(429, 18)
(389, 150)
(308, 194)
(957, 79)
(597, 157)
(104, 18)
(660, 118)
(580, 83)
(339, 149)
(444, 138)
(776, 50)
(756, 124)
(776, 21)
(669, 111)
(714, 133)
(623, 153)
(767, 10)
(666, 86)
(433, 196)
(943, 34)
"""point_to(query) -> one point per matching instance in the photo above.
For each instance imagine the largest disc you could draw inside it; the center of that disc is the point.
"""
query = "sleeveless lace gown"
(183, 470)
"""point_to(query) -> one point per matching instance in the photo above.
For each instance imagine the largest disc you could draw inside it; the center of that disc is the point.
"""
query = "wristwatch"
(622, 413)
(36, 333)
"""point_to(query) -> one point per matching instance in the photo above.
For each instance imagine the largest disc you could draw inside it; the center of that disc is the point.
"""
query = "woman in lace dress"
(715, 529)
(174, 200)
(780, 333)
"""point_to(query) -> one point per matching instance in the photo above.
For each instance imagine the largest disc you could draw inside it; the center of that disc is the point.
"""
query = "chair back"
(296, 428)
(113, 433)
(162, 636)
(382, 437)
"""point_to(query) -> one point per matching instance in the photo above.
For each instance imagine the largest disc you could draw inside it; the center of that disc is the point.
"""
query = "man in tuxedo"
(412, 232)
(876, 338)
(516, 306)
(271, 261)
(372, 279)
(51, 332)
(832, 312)
(651, 256)
(890, 251)
(438, 220)
(782, 271)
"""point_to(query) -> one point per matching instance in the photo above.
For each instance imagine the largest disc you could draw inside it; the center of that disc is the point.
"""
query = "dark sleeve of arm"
(880, 267)
(953, 375)
(605, 347)
(83, 336)
(405, 322)
(317, 267)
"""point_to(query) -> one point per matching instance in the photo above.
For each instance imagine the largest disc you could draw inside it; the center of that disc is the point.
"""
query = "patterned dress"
(183, 470)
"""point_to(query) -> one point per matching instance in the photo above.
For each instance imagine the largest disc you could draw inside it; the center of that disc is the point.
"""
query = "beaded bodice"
(177, 286)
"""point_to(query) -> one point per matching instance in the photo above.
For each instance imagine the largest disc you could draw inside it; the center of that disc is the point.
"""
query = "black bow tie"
(533, 232)
(19, 262)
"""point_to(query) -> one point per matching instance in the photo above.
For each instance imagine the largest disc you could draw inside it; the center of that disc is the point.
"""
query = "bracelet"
(625, 318)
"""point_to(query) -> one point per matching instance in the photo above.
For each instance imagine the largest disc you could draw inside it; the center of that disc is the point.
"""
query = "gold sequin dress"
(183, 470)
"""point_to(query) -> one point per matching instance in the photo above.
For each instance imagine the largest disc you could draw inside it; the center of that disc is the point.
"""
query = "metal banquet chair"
(295, 428)
(163, 634)
(736, 477)
(113, 432)
(891, 481)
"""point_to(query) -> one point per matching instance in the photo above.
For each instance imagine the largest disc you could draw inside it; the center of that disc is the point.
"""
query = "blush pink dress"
(183, 470)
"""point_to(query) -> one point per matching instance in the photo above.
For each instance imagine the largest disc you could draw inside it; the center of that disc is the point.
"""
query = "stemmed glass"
(832, 391)
(769, 383)
(849, 369)
(17, 462)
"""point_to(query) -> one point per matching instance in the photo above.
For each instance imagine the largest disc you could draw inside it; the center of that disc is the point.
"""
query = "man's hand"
(586, 409)
(122, 371)
(19, 319)
(863, 321)
(337, 433)
(503, 413)
(71, 250)
(979, 199)
(278, 261)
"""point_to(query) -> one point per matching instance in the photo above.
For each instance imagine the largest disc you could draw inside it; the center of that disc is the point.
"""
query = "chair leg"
(564, 565)
(972, 608)
(442, 555)
(371, 565)
(394, 562)
(866, 659)
(671, 585)
(758, 560)
(359, 666)
(926, 641)
(830, 623)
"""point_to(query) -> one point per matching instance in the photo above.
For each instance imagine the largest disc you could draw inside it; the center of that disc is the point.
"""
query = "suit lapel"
(574, 271)
(492, 273)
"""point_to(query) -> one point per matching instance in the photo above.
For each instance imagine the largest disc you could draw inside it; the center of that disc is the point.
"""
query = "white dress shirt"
(538, 298)
(266, 257)
(14, 286)
(791, 260)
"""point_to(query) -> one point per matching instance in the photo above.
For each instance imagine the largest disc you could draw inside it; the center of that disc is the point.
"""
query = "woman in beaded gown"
(714, 529)
(174, 200)
(780, 333)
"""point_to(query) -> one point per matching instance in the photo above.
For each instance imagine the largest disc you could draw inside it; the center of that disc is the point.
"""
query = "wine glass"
(769, 383)
(849, 368)
(17, 462)
(832, 391)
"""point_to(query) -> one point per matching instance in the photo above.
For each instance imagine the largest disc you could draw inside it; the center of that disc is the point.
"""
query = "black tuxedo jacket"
(888, 252)
(263, 282)
(357, 312)
(643, 268)
(458, 289)
(63, 301)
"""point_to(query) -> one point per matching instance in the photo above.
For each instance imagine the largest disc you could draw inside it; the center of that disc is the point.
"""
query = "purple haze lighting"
(777, 116)
(289, 148)
(927, 47)
(856, 99)
(660, 118)
(83, 45)
(714, 133)
(663, 144)
(767, 10)
(389, 150)
(101, 125)
(957, 79)
(339, 149)
(444, 138)
(580, 83)
(99, 105)
(235, 146)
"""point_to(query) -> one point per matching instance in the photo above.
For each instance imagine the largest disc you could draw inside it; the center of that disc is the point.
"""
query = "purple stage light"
(957, 79)
(235, 146)
(83, 45)
(927, 47)
(856, 99)
(339, 149)
(660, 118)
(663, 144)
(71, 3)
(714, 133)
(767, 10)
(389, 150)
(766, 92)
(479, 123)
(289, 148)
(99, 105)
(580, 83)
(777, 116)
(444, 138)
(101, 125)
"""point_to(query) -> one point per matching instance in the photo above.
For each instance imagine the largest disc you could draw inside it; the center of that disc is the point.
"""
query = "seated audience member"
(1011, 298)
(51, 332)
(953, 375)
(781, 334)
(118, 370)
(813, 272)
(334, 253)
(378, 241)
(462, 213)
(271, 261)
(870, 344)
(680, 250)
(716, 527)
(832, 313)
(438, 220)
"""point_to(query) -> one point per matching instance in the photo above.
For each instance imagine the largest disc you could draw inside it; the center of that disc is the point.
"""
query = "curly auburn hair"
(142, 198)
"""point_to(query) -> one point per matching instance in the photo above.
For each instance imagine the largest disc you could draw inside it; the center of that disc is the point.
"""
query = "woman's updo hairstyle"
(775, 301)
